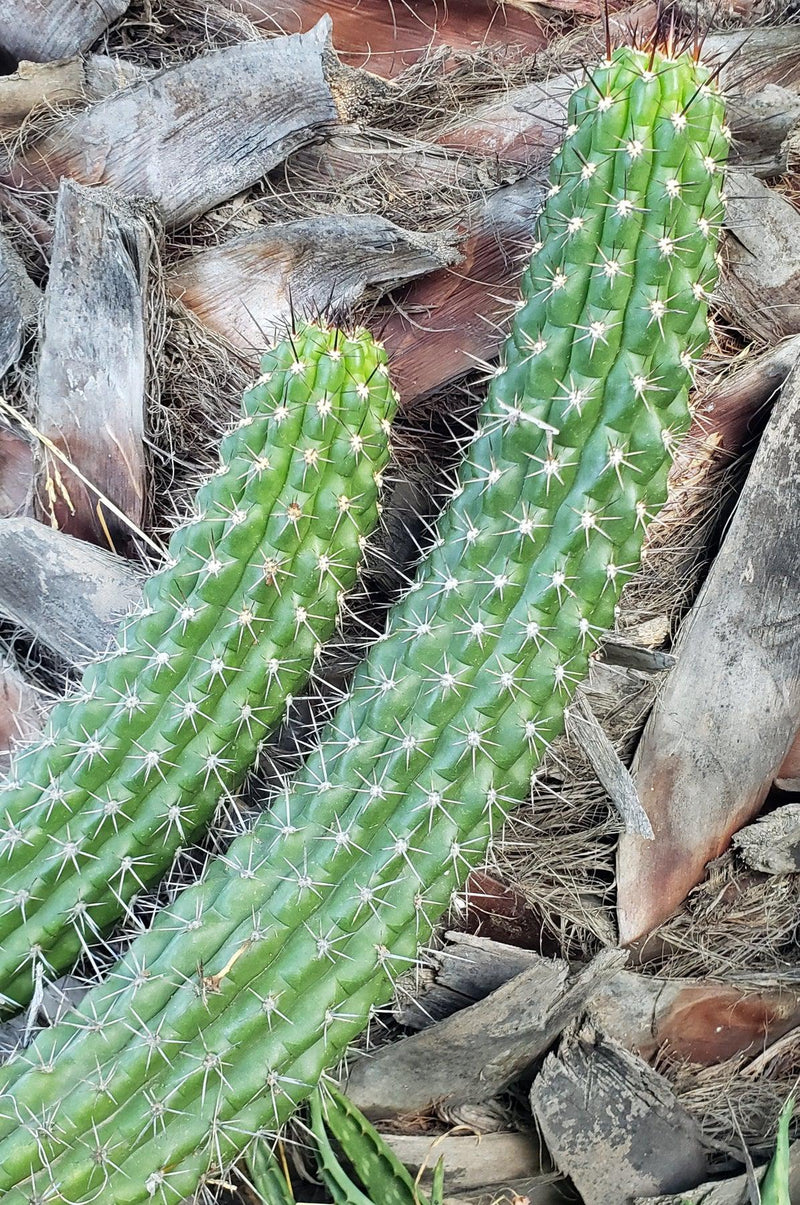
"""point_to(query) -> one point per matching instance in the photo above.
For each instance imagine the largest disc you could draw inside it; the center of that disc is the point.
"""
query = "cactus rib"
(132, 767)
(223, 1017)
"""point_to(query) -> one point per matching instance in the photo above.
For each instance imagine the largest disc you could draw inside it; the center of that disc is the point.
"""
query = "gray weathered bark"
(19, 311)
(702, 1021)
(494, 1164)
(585, 729)
(68, 594)
(246, 288)
(733, 1191)
(192, 136)
(92, 366)
(474, 1054)
(16, 471)
(467, 969)
(19, 305)
(613, 1125)
(762, 80)
(728, 712)
(35, 86)
(772, 844)
(760, 283)
(43, 30)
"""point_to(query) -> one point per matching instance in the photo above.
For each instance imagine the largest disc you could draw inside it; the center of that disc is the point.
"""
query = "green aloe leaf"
(775, 1185)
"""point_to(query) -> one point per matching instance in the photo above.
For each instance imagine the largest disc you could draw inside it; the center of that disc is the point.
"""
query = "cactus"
(223, 1016)
(132, 767)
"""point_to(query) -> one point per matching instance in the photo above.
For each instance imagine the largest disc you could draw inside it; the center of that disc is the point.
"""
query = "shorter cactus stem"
(167, 724)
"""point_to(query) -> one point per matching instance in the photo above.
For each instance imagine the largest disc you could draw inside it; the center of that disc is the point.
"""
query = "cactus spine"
(224, 1015)
(132, 767)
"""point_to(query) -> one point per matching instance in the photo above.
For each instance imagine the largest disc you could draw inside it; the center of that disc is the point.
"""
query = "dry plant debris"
(738, 673)
(422, 149)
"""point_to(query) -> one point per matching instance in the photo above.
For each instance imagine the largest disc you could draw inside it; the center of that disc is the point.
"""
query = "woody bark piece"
(21, 710)
(762, 124)
(772, 844)
(32, 29)
(503, 913)
(733, 1191)
(725, 413)
(471, 1162)
(761, 79)
(386, 41)
(194, 135)
(523, 126)
(465, 971)
(613, 1125)
(751, 56)
(247, 287)
(19, 309)
(692, 1020)
(68, 594)
(447, 321)
(19, 305)
(728, 416)
(92, 366)
(696, 1020)
(587, 732)
(728, 712)
(474, 1054)
(788, 776)
(625, 654)
(760, 285)
(35, 86)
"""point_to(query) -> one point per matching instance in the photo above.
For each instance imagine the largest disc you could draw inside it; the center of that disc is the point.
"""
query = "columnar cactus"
(131, 768)
(223, 1017)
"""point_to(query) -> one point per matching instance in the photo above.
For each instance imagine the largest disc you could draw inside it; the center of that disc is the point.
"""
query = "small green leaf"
(775, 1187)
(437, 1190)
(267, 1175)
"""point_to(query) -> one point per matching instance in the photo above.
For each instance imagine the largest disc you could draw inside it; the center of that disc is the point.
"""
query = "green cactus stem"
(131, 768)
(223, 1017)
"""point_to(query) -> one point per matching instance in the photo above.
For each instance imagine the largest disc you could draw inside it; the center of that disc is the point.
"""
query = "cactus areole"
(225, 1014)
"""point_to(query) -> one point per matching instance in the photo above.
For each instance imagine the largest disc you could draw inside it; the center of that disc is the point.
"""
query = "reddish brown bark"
(21, 712)
(688, 1019)
(453, 319)
(387, 37)
(503, 914)
(16, 474)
